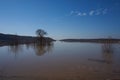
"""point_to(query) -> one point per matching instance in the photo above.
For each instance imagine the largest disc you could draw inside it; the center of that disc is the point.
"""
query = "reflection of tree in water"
(15, 48)
(41, 49)
(107, 60)
(107, 52)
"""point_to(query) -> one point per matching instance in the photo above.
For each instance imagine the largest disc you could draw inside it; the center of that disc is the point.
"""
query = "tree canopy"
(41, 33)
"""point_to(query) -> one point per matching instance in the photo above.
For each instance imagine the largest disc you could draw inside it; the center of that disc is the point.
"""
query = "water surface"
(60, 61)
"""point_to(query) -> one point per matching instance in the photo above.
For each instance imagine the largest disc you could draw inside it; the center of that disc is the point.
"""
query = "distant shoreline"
(100, 40)
(8, 39)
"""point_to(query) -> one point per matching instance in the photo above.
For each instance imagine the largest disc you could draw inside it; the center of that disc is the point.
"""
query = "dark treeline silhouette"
(7, 39)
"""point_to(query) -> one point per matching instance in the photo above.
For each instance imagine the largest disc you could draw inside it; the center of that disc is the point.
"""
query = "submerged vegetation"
(39, 44)
(9, 39)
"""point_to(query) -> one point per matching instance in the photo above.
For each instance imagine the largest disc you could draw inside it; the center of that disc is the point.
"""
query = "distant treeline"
(6, 39)
(101, 40)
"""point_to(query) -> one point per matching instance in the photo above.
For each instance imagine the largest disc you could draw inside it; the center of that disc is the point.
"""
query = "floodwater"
(60, 61)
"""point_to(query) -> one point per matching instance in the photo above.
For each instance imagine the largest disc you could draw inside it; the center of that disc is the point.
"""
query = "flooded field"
(60, 61)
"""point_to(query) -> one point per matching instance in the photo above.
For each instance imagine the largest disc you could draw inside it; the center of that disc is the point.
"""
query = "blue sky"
(61, 18)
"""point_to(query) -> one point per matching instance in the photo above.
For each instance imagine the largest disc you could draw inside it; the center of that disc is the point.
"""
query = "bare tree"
(41, 33)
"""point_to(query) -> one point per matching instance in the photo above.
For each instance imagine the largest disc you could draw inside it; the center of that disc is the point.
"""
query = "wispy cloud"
(98, 12)
(84, 14)
(71, 12)
(91, 12)
(95, 12)
(78, 13)
(105, 11)
(81, 14)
